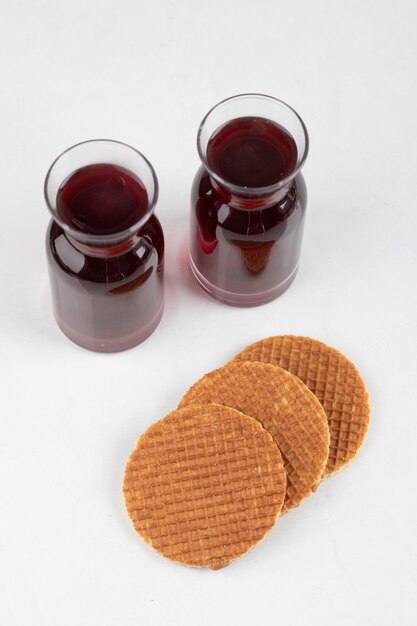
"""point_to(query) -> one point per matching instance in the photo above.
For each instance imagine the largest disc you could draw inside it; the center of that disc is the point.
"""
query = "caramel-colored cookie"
(332, 378)
(255, 254)
(204, 485)
(285, 407)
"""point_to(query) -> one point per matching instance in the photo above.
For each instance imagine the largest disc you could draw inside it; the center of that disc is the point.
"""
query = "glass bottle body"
(107, 302)
(104, 245)
(248, 199)
(245, 255)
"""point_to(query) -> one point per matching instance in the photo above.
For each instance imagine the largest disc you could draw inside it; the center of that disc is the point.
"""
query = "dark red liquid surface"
(104, 300)
(252, 152)
(245, 247)
(102, 199)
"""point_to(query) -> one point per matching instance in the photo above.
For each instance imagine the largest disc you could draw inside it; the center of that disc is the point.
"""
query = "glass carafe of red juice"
(105, 246)
(248, 199)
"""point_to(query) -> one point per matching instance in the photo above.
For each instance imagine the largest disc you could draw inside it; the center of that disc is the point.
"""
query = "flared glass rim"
(239, 188)
(94, 238)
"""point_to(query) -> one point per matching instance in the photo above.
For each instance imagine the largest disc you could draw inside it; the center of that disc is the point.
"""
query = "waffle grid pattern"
(204, 485)
(332, 378)
(285, 407)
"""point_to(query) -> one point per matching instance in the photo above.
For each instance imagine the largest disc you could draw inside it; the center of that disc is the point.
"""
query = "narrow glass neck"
(245, 199)
(252, 146)
(90, 185)
(104, 252)
(106, 248)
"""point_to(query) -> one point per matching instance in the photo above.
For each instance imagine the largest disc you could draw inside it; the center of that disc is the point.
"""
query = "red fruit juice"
(107, 296)
(246, 228)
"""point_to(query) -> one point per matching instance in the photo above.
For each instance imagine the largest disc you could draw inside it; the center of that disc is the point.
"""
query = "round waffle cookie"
(204, 485)
(332, 378)
(285, 407)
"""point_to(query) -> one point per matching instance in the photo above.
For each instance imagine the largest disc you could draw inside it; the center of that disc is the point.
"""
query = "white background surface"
(146, 73)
